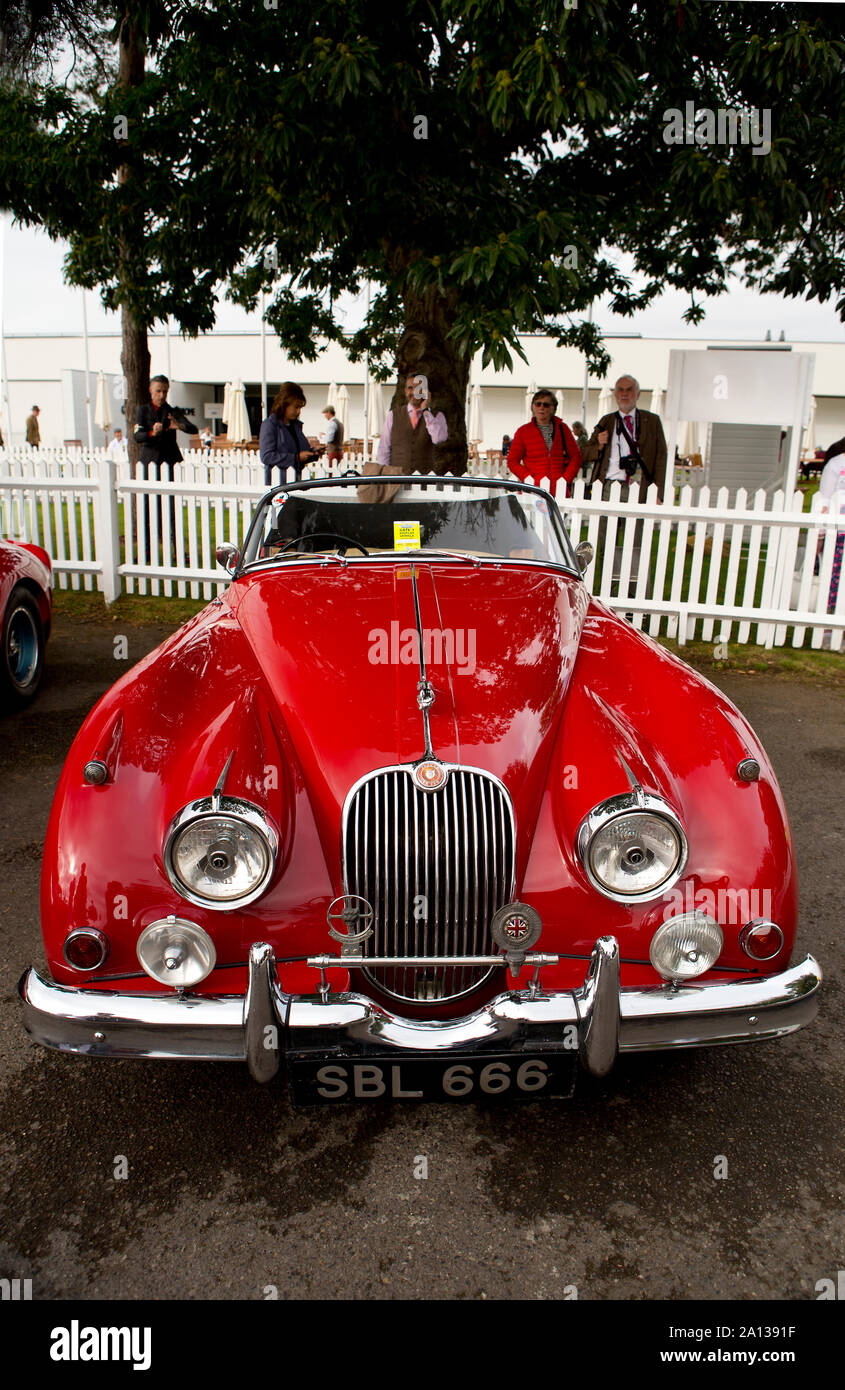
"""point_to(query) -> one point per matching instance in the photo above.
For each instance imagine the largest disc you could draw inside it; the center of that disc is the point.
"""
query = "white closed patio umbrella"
(689, 440)
(808, 442)
(227, 403)
(657, 402)
(559, 395)
(476, 422)
(342, 409)
(530, 392)
(607, 401)
(102, 406)
(375, 410)
(239, 429)
(331, 399)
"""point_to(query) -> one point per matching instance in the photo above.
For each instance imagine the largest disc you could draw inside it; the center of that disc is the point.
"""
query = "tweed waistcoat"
(411, 449)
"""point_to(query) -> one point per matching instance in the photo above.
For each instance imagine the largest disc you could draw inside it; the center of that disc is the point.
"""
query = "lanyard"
(621, 428)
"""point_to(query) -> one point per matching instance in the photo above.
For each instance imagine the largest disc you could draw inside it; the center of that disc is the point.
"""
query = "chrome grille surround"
(450, 851)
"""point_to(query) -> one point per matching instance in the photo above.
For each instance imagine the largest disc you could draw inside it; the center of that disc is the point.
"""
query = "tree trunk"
(135, 356)
(135, 361)
(426, 350)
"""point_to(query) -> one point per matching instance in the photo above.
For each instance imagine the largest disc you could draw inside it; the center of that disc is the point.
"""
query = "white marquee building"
(48, 370)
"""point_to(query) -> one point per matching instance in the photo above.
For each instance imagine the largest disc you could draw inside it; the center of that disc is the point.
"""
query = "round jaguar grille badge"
(429, 775)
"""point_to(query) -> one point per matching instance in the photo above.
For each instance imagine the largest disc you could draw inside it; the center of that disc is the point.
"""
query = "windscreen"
(469, 520)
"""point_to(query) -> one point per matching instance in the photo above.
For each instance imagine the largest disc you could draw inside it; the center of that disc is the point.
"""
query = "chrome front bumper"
(599, 1018)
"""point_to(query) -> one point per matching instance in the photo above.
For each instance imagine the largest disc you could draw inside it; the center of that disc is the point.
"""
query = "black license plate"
(431, 1077)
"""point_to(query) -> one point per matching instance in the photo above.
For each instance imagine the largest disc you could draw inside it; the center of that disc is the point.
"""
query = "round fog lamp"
(176, 952)
(686, 946)
(761, 939)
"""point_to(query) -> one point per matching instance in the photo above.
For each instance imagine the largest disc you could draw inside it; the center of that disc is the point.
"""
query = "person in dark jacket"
(156, 423)
(545, 447)
(281, 442)
(33, 432)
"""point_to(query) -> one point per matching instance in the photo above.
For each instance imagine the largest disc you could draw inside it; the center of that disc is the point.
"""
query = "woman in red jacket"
(545, 447)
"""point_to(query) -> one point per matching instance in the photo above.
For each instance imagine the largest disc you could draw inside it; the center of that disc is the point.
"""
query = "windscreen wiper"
(434, 550)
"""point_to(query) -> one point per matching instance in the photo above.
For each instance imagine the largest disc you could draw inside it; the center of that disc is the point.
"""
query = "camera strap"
(632, 444)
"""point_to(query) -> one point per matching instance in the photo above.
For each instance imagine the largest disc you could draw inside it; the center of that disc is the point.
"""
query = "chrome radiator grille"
(435, 865)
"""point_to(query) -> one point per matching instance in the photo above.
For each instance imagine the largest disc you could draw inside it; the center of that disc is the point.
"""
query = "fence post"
(107, 527)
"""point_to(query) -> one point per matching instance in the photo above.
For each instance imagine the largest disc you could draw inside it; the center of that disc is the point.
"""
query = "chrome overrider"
(261, 1027)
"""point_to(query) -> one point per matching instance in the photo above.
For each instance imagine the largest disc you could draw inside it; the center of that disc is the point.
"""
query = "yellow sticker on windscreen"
(406, 535)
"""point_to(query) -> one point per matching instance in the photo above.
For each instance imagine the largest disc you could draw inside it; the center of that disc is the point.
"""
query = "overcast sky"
(36, 300)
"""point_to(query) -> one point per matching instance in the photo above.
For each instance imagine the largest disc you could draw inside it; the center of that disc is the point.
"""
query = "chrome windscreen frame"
(626, 804)
(235, 809)
(569, 566)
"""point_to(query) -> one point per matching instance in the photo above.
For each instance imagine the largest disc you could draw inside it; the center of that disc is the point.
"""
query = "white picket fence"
(680, 567)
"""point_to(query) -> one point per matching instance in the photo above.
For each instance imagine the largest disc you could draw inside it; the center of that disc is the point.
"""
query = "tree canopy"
(482, 163)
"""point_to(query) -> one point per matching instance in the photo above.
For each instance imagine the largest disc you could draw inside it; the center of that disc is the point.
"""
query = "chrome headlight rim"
(233, 808)
(614, 808)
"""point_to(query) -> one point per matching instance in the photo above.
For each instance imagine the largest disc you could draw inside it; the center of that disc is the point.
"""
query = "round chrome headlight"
(220, 852)
(632, 847)
(176, 952)
(686, 945)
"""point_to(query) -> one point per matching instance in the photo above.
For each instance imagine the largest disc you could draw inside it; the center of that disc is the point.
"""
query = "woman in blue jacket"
(282, 443)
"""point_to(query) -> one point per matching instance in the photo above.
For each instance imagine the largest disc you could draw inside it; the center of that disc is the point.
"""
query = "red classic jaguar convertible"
(26, 610)
(407, 814)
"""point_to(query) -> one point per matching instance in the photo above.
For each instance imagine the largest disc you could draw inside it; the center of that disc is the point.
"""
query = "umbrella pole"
(586, 391)
(263, 359)
(367, 389)
(5, 411)
(88, 415)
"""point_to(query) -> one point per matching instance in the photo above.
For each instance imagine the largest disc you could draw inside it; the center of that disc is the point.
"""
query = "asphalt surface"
(232, 1194)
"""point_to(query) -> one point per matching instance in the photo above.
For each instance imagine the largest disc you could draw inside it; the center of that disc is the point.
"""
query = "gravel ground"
(231, 1194)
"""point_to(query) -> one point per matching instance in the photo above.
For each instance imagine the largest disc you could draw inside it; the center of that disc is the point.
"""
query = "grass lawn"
(799, 663)
(130, 610)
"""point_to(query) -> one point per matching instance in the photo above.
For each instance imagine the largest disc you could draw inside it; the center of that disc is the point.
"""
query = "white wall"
(35, 365)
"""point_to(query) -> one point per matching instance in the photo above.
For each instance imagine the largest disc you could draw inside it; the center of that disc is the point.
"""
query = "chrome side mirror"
(583, 554)
(228, 556)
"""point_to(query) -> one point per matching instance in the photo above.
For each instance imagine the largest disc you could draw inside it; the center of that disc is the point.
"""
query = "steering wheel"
(325, 536)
